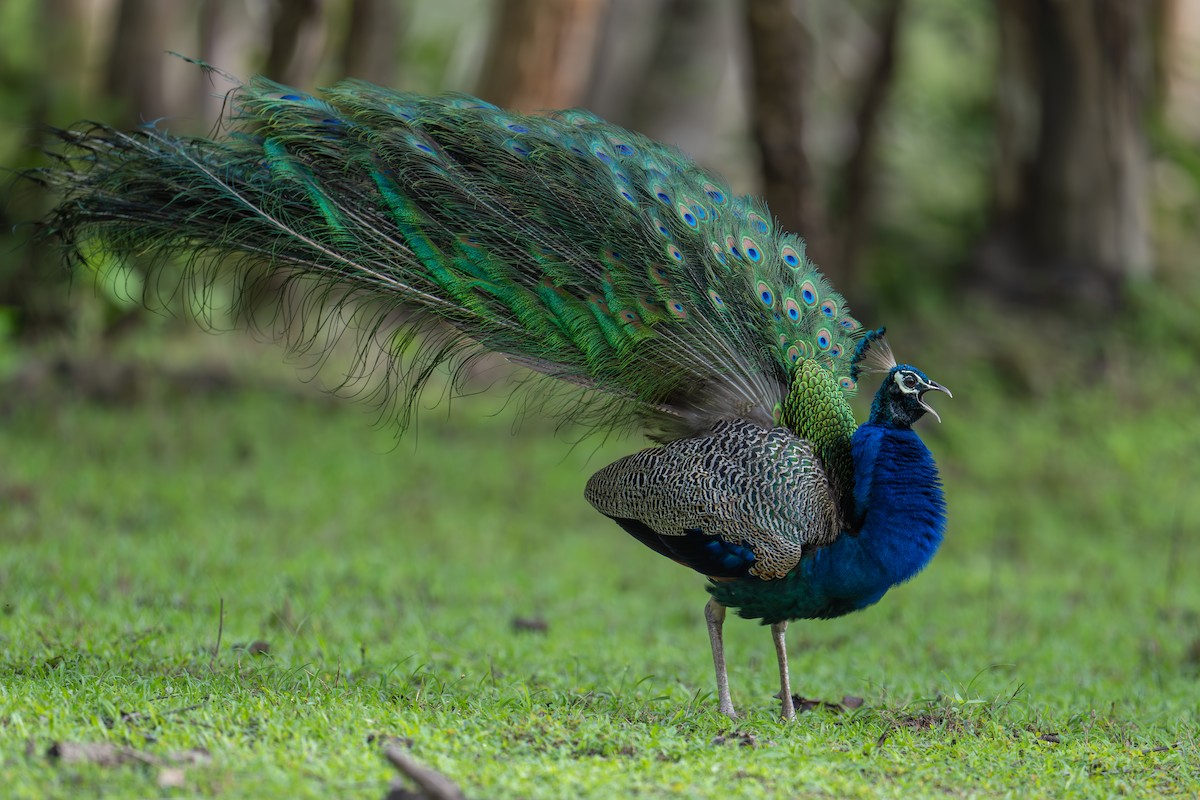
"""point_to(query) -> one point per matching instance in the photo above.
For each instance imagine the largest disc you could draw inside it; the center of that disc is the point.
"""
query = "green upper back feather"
(816, 409)
(579, 249)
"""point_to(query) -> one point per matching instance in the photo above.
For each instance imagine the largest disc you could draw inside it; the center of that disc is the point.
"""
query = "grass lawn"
(454, 591)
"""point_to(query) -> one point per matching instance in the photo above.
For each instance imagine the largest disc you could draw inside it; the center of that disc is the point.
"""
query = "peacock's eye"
(910, 380)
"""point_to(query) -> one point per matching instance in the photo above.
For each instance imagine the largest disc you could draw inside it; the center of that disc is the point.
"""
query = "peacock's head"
(900, 400)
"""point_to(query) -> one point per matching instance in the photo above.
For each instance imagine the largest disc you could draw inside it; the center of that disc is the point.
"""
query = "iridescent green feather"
(584, 251)
(816, 409)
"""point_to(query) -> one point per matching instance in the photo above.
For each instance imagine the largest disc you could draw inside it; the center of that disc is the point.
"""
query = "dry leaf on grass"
(110, 755)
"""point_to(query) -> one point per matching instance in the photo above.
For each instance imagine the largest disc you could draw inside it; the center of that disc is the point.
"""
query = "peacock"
(596, 258)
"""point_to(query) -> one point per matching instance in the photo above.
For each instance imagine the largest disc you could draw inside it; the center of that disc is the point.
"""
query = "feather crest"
(873, 354)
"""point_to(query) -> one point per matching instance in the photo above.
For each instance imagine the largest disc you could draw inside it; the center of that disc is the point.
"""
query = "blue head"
(900, 400)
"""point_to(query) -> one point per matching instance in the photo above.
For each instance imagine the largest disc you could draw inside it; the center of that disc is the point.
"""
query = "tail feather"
(582, 251)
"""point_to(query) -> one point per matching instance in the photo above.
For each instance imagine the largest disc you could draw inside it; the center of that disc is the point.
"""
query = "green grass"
(1051, 649)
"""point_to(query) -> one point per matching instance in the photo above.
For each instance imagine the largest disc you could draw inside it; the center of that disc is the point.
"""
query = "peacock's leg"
(779, 632)
(714, 615)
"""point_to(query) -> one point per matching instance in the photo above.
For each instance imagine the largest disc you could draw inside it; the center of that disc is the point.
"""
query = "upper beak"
(921, 397)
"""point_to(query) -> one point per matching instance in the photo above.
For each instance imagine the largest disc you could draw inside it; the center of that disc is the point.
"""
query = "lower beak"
(926, 406)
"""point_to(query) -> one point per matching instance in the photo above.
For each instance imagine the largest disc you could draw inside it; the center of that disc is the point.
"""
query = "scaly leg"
(778, 632)
(714, 615)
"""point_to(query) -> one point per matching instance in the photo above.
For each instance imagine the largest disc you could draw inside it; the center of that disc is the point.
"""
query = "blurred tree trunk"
(298, 34)
(781, 65)
(854, 192)
(541, 54)
(136, 58)
(1070, 208)
(673, 92)
(1177, 80)
(780, 76)
(668, 68)
(32, 276)
(627, 46)
(370, 48)
(218, 19)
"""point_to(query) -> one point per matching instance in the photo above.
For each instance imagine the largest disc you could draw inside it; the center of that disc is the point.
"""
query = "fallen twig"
(432, 785)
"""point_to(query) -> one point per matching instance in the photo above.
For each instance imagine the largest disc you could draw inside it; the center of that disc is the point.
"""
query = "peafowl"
(586, 253)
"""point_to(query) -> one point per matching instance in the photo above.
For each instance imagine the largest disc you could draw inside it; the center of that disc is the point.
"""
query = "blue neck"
(880, 411)
(889, 411)
(901, 516)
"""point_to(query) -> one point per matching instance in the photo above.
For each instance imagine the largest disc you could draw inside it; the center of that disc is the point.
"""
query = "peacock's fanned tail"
(583, 251)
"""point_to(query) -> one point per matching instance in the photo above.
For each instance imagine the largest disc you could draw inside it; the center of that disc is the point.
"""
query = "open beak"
(921, 397)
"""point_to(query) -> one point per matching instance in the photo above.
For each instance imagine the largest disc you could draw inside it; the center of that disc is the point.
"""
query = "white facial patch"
(909, 382)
